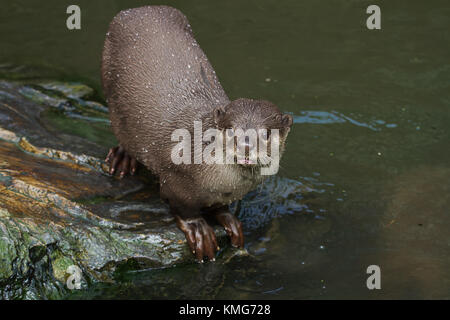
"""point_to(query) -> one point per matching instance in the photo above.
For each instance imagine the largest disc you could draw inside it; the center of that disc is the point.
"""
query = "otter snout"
(247, 151)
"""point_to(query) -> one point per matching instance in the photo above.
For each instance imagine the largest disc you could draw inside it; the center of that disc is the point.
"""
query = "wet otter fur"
(156, 79)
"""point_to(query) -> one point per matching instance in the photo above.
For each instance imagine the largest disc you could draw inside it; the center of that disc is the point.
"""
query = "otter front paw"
(120, 161)
(200, 237)
(232, 226)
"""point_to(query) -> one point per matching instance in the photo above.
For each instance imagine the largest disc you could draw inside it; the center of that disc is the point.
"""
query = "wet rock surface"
(59, 208)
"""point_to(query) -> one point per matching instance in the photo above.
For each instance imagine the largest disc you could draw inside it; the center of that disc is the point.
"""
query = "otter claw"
(120, 161)
(233, 227)
(200, 237)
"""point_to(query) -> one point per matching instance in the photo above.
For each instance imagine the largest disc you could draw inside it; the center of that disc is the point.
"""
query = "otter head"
(256, 129)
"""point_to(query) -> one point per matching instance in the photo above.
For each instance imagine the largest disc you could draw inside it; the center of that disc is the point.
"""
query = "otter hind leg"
(120, 161)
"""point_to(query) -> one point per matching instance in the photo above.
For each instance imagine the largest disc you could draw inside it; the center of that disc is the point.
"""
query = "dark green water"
(366, 176)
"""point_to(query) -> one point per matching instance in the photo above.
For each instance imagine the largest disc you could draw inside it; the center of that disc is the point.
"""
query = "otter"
(156, 79)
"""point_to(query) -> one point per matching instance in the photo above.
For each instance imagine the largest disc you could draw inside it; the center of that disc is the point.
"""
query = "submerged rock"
(58, 206)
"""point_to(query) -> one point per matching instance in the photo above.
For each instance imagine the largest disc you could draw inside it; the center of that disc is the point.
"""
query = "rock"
(58, 206)
(72, 90)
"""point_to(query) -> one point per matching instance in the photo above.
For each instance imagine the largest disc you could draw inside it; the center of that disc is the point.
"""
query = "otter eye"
(266, 134)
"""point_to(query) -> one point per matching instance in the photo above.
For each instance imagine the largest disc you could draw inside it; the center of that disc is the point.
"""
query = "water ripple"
(325, 117)
(278, 196)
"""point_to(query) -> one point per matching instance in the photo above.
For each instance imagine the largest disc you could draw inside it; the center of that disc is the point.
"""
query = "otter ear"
(219, 114)
(287, 120)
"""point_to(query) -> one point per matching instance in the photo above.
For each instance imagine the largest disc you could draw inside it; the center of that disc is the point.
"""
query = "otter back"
(156, 79)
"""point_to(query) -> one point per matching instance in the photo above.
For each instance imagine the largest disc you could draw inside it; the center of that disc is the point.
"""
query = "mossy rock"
(58, 206)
